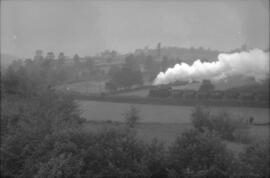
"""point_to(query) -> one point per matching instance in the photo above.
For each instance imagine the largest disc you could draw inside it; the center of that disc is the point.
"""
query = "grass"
(102, 111)
(138, 93)
(165, 123)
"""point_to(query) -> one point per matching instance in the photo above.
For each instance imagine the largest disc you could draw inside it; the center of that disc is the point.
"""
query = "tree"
(200, 155)
(113, 70)
(61, 58)
(200, 118)
(38, 55)
(48, 62)
(151, 67)
(206, 86)
(255, 160)
(132, 116)
(89, 64)
(29, 122)
(149, 64)
(131, 63)
(125, 78)
(76, 60)
(110, 86)
(50, 56)
(222, 124)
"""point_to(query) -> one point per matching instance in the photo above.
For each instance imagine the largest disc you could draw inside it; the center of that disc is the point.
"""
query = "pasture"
(104, 111)
(137, 93)
(165, 123)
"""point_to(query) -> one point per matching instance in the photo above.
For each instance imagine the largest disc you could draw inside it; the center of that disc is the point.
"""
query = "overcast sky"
(88, 27)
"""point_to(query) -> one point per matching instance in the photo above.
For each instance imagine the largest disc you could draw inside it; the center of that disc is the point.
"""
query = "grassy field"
(138, 93)
(165, 123)
(103, 111)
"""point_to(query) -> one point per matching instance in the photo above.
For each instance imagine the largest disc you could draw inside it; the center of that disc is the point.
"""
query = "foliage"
(51, 70)
(132, 116)
(131, 63)
(30, 112)
(221, 124)
(124, 78)
(206, 86)
(73, 153)
(110, 86)
(200, 118)
(155, 158)
(196, 154)
(254, 162)
(28, 123)
(151, 67)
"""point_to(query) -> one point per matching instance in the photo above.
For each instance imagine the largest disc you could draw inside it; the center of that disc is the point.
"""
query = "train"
(164, 91)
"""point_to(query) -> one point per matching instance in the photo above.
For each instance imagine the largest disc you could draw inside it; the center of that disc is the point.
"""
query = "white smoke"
(254, 63)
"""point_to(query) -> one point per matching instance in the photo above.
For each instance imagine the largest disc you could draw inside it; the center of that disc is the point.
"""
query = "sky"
(89, 27)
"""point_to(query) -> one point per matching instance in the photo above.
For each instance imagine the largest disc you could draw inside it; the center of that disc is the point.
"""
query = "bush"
(254, 162)
(206, 86)
(200, 118)
(197, 154)
(27, 123)
(132, 116)
(221, 124)
(155, 158)
(111, 153)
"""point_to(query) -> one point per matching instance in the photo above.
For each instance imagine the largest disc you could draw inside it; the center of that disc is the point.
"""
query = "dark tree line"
(59, 69)
(125, 77)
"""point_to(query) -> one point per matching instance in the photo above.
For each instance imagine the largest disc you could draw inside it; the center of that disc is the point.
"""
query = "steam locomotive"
(164, 91)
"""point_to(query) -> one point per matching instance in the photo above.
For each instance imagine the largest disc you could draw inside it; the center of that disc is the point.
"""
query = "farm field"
(165, 123)
(137, 93)
(104, 111)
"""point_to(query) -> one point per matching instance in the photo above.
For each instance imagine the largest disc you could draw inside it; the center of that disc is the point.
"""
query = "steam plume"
(254, 63)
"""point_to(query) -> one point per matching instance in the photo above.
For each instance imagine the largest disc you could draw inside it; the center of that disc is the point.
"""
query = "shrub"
(132, 116)
(221, 124)
(254, 162)
(200, 118)
(206, 86)
(155, 159)
(197, 154)
(27, 124)
(227, 127)
(110, 153)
